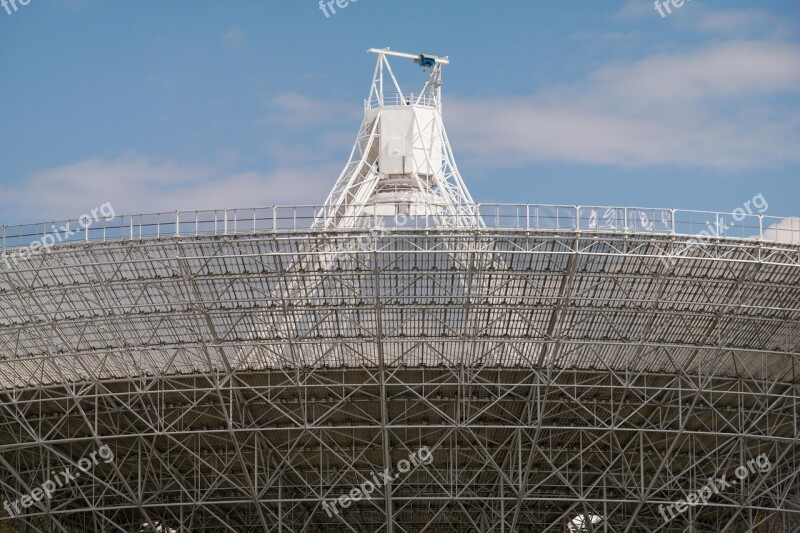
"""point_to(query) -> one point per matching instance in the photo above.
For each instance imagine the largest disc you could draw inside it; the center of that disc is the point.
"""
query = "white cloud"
(137, 184)
(787, 230)
(235, 37)
(737, 22)
(707, 108)
(300, 142)
(698, 16)
(293, 111)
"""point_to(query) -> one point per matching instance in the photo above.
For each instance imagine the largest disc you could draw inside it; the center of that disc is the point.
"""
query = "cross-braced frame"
(552, 375)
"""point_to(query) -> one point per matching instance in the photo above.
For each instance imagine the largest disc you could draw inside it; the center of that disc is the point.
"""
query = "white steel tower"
(401, 163)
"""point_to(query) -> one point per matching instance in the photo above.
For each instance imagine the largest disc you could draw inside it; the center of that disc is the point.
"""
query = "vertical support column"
(387, 456)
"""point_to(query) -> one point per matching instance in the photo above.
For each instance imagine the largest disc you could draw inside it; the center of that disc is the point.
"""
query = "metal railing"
(400, 99)
(527, 217)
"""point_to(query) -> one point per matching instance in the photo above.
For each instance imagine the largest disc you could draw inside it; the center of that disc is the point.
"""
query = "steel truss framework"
(426, 183)
(242, 380)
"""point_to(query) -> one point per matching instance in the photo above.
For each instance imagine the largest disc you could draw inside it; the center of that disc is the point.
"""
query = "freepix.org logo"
(364, 491)
(64, 233)
(662, 5)
(329, 6)
(715, 486)
(57, 481)
(11, 5)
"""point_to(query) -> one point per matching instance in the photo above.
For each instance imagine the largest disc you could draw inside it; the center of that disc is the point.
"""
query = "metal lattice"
(571, 374)
(568, 368)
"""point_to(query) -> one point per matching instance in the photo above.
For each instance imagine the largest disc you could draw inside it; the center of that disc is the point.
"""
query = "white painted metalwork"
(512, 217)
(570, 368)
(585, 376)
(402, 162)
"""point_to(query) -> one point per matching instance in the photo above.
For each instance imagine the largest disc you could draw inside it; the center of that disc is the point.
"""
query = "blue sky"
(157, 106)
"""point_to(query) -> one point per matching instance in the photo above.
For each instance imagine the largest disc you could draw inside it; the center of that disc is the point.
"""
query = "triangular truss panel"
(402, 163)
(570, 369)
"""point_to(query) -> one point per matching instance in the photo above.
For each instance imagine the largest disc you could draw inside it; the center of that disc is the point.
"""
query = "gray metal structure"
(570, 369)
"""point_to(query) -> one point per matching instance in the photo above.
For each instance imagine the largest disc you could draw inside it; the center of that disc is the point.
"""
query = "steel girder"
(242, 381)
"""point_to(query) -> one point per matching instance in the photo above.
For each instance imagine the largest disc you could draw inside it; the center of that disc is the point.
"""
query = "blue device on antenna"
(425, 62)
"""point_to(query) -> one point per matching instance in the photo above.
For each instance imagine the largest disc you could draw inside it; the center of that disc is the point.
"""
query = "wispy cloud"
(788, 230)
(735, 22)
(235, 37)
(717, 107)
(302, 138)
(138, 184)
(293, 111)
(698, 16)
